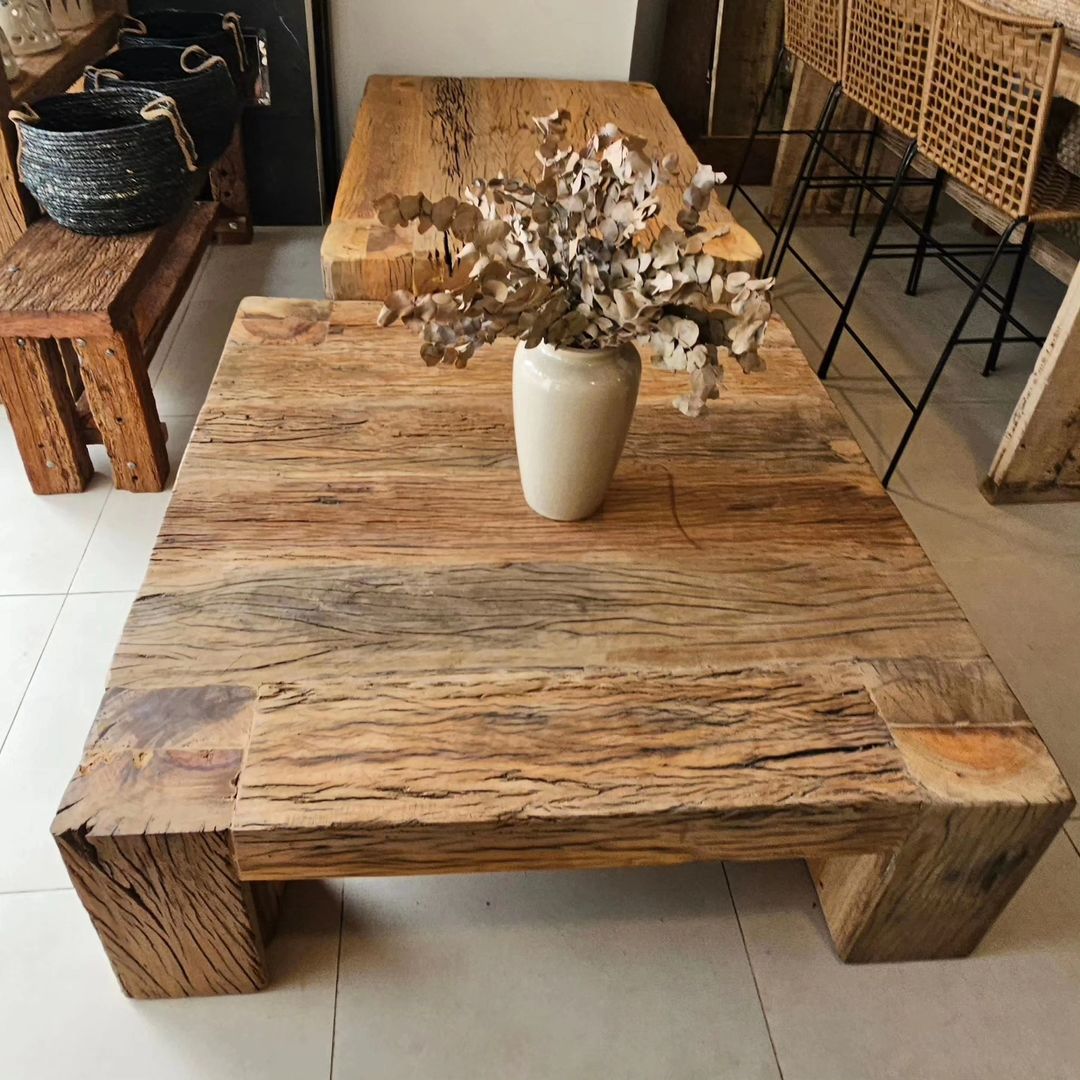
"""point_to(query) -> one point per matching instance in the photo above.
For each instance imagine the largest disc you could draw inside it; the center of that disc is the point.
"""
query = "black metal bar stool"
(814, 34)
(987, 101)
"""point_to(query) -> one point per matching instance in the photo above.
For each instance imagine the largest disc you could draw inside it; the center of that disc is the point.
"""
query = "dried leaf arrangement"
(572, 261)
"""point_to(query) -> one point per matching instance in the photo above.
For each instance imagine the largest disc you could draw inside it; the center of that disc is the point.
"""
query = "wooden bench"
(103, 304)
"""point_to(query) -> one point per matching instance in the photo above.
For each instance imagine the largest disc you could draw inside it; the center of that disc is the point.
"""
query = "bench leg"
(994, 803)
(229, 186)
(123, 407)
(34, 387)
(145, 830)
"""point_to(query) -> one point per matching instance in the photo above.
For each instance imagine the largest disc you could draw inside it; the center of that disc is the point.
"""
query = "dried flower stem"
(567, 261)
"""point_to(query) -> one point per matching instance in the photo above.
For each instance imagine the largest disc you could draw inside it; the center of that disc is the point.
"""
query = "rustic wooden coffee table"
(357, 652)
(435, 135)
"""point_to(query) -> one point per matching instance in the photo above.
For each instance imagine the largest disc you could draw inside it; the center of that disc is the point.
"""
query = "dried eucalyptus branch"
(571, 260)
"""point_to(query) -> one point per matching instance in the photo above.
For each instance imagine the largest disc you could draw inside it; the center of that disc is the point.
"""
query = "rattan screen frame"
(814, 33)
(886, 58)
(956, 131)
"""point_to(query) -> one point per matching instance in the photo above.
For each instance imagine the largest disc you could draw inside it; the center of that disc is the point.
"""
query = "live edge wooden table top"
(358, 652)
(435, 135)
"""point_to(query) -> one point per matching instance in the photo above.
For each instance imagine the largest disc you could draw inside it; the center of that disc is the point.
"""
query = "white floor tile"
(25, 624)
(193, 356)
(570, 975)
(45, 742)
(158, 361)
(119, 550)
(279, 262)
(63, 1015)
(42, 537)
(1010, 1010)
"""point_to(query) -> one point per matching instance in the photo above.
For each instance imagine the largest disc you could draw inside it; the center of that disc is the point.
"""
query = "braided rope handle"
(164, 107)
(207, 62)
(231, 21)
(135, 26)
(103, 73)
(22, 114)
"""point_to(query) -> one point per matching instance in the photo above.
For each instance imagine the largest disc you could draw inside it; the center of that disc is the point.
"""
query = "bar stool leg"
(875, 236)
(736, 183)
(871, 143)
(969, 307)
(928, 224)
(1010, 297)
(802, 186)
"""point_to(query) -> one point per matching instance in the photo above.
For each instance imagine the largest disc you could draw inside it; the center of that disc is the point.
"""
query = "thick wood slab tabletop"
(358, 652)
(435, 135)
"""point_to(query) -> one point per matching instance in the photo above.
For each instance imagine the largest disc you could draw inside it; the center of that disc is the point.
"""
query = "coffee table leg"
(145, 830)
(995, 800)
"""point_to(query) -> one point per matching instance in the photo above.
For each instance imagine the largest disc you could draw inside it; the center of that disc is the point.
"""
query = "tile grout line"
(37, 663)
(59, 611)
(337, 980)
(1069, 837)
(181, 316)
(753, 974)
(31, 892)
(89, 540)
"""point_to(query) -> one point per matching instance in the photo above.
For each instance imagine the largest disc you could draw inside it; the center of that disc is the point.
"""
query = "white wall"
(569, 39)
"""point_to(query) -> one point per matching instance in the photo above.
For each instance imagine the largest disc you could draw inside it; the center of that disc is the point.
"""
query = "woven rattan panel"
(814, 32)
(987, 101)
(886, 52)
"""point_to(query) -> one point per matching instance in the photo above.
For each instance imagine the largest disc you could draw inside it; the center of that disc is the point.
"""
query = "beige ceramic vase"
(572, 410)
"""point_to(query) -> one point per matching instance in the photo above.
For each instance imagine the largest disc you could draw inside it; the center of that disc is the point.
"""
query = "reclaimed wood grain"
(144, 830)
(560, 768)
(436, 135)
(124, 410)
(358, 652)
(107, 300)
(61, 284)
(1039, 456)
(229, 186)
(41, 410)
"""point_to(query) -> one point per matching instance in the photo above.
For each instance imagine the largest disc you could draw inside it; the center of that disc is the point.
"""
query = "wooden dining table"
(1038, 458)
(437, 134)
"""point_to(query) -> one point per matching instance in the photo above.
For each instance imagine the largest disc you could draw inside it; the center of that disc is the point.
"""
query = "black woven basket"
(215, 31)
(200, 85)
(107, 162)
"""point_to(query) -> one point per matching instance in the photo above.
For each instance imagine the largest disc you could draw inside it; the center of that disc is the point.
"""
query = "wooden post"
(228, 182)
(145, 832)
(993, 802)
(34, 387)
(123, 406)
(1039, 456)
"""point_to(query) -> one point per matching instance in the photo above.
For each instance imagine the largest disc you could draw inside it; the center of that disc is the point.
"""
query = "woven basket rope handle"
(24, 114)
(164, 107)
(136, 26)
(103, 73)
(231, 21)
(207, 63)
